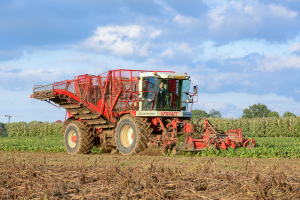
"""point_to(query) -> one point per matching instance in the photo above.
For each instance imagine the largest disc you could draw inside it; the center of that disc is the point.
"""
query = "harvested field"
(40, 175)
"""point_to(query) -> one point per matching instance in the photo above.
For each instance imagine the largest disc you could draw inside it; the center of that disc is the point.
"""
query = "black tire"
(85, 139)
(139, 128)
(67, 122)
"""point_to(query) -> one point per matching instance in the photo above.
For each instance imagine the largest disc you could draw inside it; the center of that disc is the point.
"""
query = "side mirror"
(195, 90)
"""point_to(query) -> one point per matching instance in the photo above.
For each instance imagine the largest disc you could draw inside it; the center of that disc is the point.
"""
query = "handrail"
(192, 94)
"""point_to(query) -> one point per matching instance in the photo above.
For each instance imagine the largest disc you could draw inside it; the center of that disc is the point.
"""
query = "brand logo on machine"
(169, 113)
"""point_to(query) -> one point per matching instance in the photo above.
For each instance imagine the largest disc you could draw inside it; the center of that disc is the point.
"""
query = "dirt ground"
(37, 175)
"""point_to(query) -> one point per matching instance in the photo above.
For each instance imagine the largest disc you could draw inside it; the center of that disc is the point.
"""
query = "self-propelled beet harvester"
(130, 110)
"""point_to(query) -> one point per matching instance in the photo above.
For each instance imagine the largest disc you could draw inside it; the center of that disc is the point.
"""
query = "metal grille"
(108, 92)
(60, 86)
(125, 75)
(94, 91)
(83, 88)
(38, 88)
(71, 88)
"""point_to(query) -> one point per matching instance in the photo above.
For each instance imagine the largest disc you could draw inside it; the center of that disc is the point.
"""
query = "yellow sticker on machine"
(179, 77)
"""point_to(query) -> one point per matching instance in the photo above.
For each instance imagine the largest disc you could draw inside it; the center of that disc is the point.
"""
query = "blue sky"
(238, 52)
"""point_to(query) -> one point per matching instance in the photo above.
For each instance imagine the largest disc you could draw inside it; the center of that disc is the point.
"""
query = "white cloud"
(164, 5)
(294, 47)
(217, 105)
(279, 10)
(182, 20)
(155, 33)
(144, 50)
(272, 62)
(239, 18)
(235, 18)
(121, 41)
(154, 60)
(14, 78)
(246, 83)
(168, 53)
(185, 47)
(78, 59)
(8, 68)
(213, 79)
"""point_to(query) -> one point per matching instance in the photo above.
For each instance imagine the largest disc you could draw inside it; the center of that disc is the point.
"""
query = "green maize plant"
(16, 129)
(261, 127)
(57, 128)
(257, 127)
(295, 127)
(34, 128)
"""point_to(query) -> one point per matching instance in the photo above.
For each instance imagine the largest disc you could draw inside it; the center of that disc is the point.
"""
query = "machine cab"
(163, 91)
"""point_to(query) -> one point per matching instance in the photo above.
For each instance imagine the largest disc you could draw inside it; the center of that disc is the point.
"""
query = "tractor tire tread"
(86, 139)
(67, 122)
(143, 128)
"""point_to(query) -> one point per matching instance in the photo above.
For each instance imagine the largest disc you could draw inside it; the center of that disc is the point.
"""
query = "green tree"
(199, 113)
(255, 111)
(288, 114)
(214, 113)
(1, 130)
(5, 134)
(273, 114)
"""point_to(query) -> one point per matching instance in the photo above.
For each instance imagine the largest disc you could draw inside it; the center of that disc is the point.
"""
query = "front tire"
(67, 122)
(78, 139)
(130, 137)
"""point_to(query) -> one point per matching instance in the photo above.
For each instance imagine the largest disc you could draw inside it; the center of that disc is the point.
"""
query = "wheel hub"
(127, 136)
(72, 139)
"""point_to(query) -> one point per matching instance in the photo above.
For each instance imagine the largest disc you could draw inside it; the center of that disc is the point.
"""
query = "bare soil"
(37, 175)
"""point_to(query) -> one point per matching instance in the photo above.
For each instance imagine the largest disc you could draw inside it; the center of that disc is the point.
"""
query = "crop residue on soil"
(29, 175)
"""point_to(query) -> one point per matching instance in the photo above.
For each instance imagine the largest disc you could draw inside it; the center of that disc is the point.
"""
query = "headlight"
(170, 76)
(187, 77)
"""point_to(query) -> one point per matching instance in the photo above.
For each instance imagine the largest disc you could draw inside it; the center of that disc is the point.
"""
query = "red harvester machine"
(130, 110)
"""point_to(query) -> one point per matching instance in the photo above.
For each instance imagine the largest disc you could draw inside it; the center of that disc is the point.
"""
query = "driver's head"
(146, 88)
(161, 85)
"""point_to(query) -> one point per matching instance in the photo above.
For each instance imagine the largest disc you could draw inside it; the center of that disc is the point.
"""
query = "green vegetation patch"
(36, 143)
(267, 147)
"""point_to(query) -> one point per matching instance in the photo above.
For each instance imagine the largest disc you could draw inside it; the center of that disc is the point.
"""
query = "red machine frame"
(110, 85)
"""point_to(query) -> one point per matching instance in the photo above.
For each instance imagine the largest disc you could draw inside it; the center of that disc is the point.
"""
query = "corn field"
(34, 129)
(261, 127)
(258, 127)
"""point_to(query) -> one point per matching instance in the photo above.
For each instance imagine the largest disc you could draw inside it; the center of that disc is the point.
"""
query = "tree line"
(254, 111)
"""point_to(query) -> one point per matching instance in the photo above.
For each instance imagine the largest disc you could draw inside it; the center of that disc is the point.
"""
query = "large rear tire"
(78, 139)
(67, 122)
(132, 135)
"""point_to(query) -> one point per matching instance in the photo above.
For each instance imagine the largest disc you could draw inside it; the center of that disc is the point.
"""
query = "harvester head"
(206, 135)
